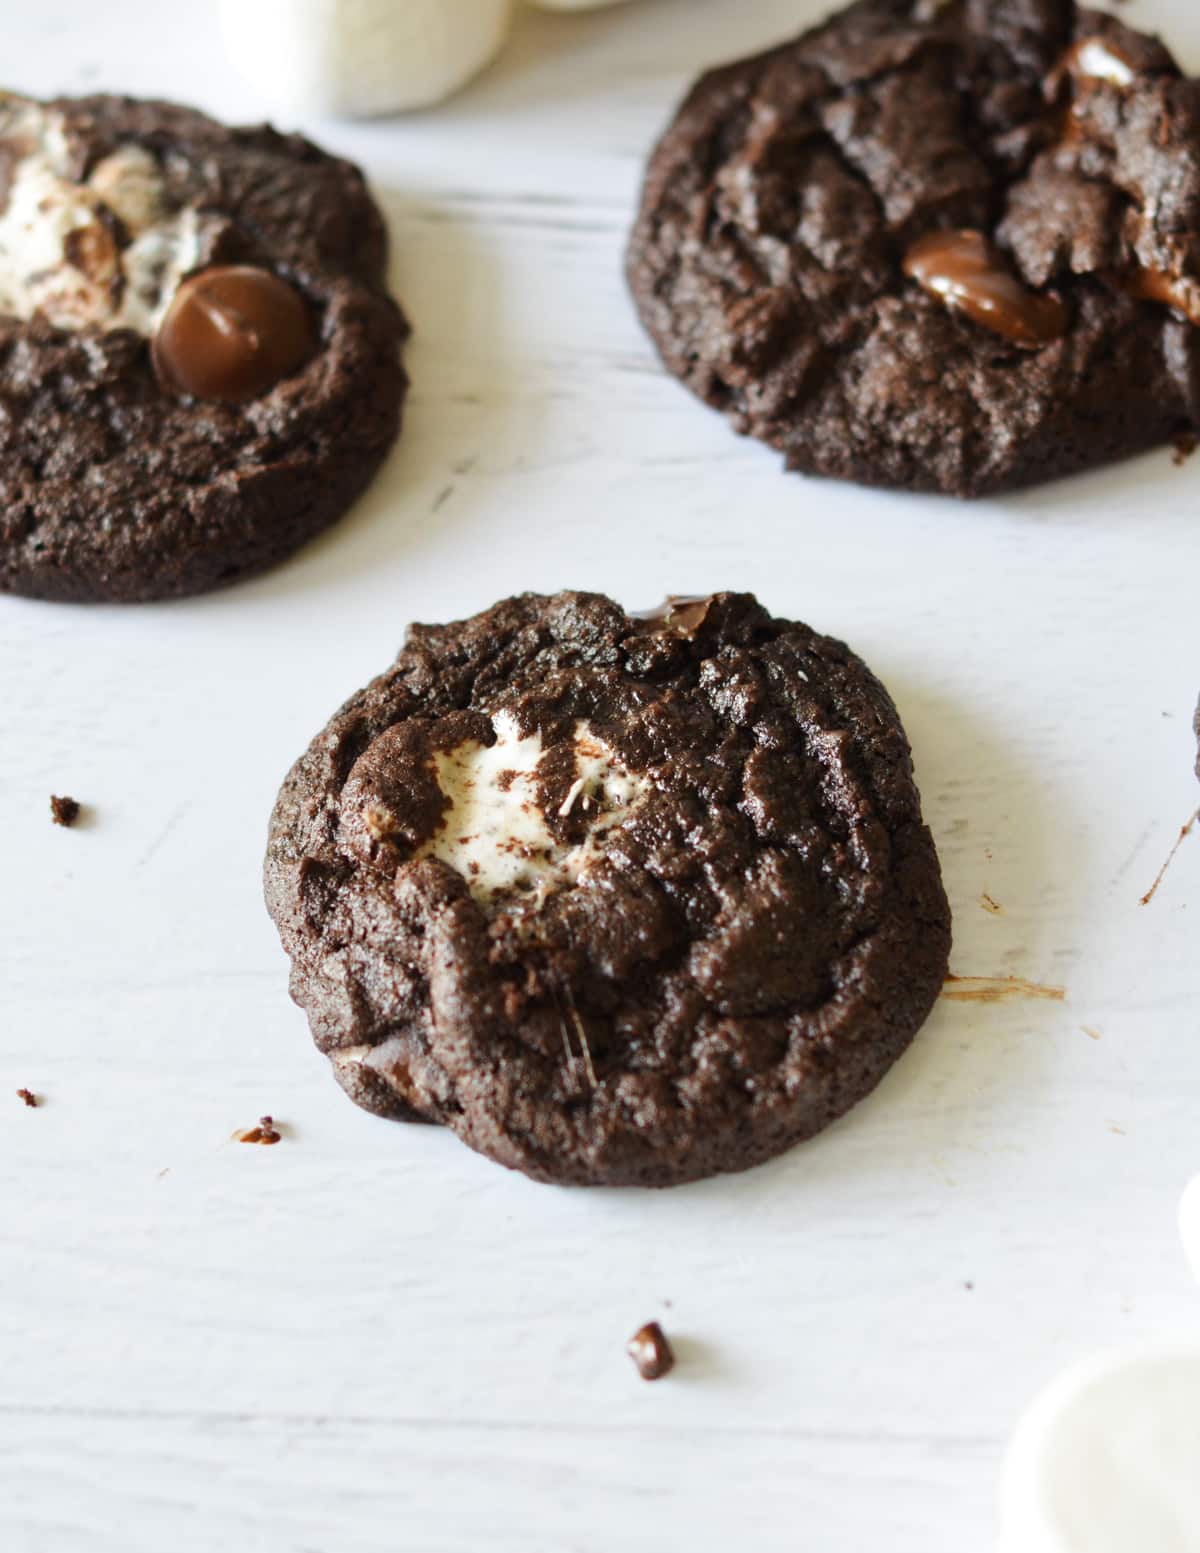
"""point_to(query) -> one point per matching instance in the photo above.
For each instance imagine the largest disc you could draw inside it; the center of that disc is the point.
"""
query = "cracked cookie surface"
(113, 484)
(619, 899)
(768, 261)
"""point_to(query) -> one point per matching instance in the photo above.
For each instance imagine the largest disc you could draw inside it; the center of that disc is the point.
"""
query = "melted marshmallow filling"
(495, 832)
(58, 253)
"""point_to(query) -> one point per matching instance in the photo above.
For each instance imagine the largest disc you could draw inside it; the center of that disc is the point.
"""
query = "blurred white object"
(356, 58)
(1107, 1460)
(1189, 1224)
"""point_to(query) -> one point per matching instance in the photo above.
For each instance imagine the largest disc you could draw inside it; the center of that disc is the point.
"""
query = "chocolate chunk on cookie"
(936, 246)
(199, 362)
(618, 898)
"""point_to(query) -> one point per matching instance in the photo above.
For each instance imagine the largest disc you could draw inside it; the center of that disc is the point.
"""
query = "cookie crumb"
(1094, 1034)
(28, 1096)
(63, 811)
(651, 1352)
(991, 905)
(265, 1132)
(1184, 445)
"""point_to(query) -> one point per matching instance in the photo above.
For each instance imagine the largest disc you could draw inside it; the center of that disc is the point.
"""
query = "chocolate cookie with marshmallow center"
(618, 899)
(199, 361)
(936, 246)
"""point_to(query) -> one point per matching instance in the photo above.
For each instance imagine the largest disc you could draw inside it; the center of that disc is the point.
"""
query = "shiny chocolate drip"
(1176, 292)
(684, 613)
(969, 274)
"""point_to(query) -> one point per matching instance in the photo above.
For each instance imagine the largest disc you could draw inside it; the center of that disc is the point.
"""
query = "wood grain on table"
(366, 1337)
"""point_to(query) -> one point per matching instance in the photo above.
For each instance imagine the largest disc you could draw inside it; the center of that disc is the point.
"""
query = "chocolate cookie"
(199, 364)
(938, 246)
(1196, 731)
(620, 899)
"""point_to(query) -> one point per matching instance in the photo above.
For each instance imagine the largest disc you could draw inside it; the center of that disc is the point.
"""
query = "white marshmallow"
(58, 257)
(575, 5)
(1103, 64)
(1107, 1460)
(495, 832)
(355, 58)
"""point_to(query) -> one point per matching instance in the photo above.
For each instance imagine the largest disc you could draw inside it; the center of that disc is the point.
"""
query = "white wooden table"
(368, 1338)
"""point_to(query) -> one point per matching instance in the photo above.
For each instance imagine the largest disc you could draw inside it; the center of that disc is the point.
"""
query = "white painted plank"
(367, 1337)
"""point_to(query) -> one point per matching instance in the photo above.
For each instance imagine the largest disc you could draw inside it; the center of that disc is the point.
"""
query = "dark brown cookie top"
(946, 247)
(618, 899)
(264, 407)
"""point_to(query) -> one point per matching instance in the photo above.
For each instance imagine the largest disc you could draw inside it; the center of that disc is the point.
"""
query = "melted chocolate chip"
(684, 613)
(1097, 61)
(232, 332)
(651, 1352)
(970, 274)
(28, 1096)
(63, 811)
(1088, 64)
(1176, 292)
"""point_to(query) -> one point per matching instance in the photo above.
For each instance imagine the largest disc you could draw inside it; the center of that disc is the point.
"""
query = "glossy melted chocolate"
(232, 333)
(970, 274)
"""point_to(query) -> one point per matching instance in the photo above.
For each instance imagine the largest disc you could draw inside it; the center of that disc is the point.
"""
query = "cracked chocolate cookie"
(936, 246)
(199, 363)
(619, 899)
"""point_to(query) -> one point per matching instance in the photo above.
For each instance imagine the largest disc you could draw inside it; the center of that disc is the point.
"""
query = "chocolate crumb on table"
(651, 1352)
(265, 1132)
(28, 1096)
(63, 811)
